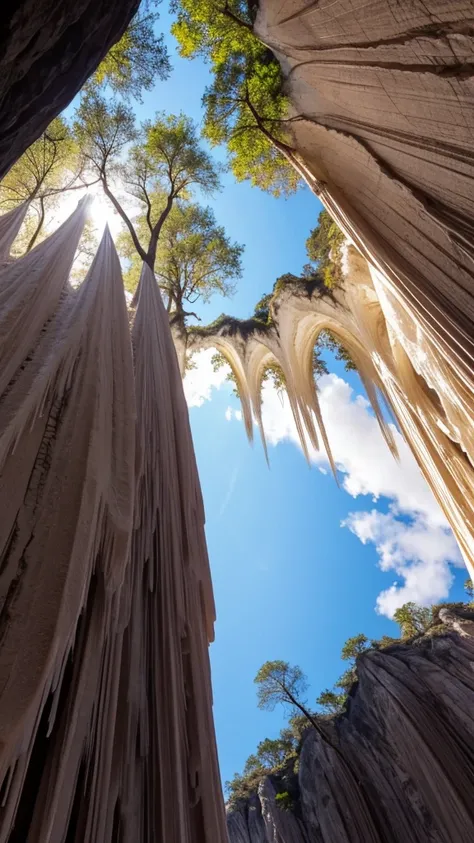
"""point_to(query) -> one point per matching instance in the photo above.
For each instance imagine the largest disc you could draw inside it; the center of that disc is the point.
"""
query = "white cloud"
(420, 549)
(358, 447)
(413, 539)
(201, 380)
(230, 414)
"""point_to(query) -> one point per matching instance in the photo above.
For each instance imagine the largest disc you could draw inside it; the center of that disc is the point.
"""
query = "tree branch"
(125, 218)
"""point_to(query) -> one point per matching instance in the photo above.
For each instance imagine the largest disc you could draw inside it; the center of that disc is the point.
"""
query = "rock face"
(106, 605)
(436, 420)
(48, 48)
(384, 95)
(402, 766)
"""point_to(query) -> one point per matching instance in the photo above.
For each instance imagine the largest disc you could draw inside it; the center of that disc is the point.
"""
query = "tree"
(273, 752)
(50, 167)
(469, 588)
(412, 619)
(154, 165)
(331, 702)
(281, 683)
(323, 247)
(135, 62)
(246, 107)
(328, 340)
(354, 647)
(194, 257)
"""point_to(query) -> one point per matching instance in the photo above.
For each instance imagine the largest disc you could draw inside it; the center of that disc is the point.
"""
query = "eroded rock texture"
(384, 94)
(436, 418)
(401, 765)
(106, 607)
(48, 48)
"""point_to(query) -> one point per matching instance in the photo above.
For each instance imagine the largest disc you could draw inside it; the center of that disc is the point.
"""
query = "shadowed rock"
(48, 49)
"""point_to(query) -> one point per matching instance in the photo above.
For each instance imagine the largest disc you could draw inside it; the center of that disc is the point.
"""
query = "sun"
(102, 213)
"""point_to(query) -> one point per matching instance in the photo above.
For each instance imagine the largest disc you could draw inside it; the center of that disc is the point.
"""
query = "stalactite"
(417, 383)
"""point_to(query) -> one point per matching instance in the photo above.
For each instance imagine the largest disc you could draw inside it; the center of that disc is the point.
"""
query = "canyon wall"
(399, 764)
(48, 49)
(384, 96)
(106, 606)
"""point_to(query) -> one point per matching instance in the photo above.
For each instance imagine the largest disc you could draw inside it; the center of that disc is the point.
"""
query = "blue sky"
(291, 582)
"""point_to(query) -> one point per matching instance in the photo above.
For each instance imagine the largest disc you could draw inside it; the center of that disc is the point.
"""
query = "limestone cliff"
(383, 93)
(399, 764)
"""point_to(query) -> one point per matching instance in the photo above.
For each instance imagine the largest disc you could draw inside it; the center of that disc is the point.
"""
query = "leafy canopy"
(413, 619)
(155, 164)
(135, 62)
(354, 647)
(194, 259)
(323, 247)
(245, 106)
(280, 682)
(47, 168)
(104, 128)
(50, 167)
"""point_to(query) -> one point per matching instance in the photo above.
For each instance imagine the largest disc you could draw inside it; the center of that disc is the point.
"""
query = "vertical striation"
(106, 606)
(407, 737)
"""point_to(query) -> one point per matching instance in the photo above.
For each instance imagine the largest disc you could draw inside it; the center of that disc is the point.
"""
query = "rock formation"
(401, 765)
(48, 49)
(106, 605)
(437, 426)
(105, 600)
(384, 98)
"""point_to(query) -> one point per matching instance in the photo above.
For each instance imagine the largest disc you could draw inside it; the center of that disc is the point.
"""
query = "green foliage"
(354, 647)
(135, 62)
(242, 786)
(176, 156)
(331, 702)
(279, 682)
(103, 127)
(195, 258)
(328, 340)
(272, 753)
(346, 681)
(469, 588)
(413, 619)
(384, 641)
(298, 724)
(262, 309)
(217, 361)
(157, 164)
(213, 29)
(52, 165)
(272, 756)
(48, 167)
(323, 247)
(284, 801)
(245, 105)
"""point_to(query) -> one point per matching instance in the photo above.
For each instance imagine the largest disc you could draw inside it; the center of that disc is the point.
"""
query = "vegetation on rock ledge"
(281, 683)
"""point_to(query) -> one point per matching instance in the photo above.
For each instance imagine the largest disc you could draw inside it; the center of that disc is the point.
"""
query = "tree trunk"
(38, 227)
